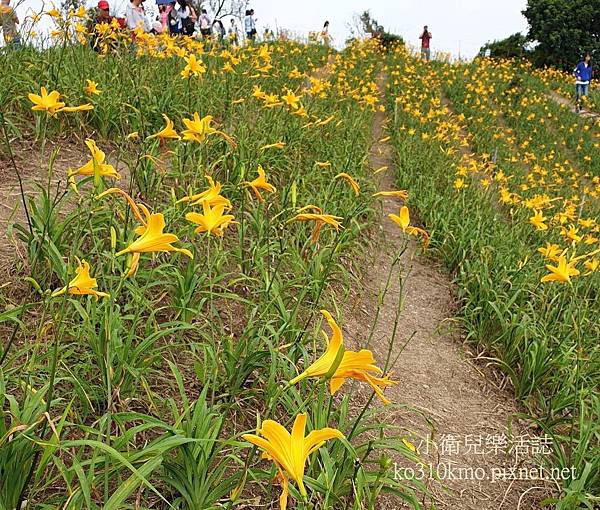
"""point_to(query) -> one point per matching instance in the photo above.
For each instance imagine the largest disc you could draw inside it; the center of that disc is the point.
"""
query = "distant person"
(173, 20)
(103, 17)
(250, 25)
(186, 18)
(583, 77)
(9, 22)
(325, 33)
(425, 38)
(163, 16)
(218, 30)
(135, 16)
(232, 32)
(204, 24)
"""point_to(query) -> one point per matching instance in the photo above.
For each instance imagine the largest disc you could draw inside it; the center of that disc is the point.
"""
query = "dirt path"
(437, 376)
(568, 103)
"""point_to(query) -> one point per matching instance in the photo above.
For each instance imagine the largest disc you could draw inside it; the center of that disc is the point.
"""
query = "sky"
(457, 26)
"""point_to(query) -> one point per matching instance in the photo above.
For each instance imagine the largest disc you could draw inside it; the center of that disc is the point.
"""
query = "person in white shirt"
(250, 25)
(186, 18)
(135, 16)
(205, 24)
(232, 32)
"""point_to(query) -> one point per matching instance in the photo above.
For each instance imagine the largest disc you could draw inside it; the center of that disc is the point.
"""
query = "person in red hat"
(103, 12)
(103, 17)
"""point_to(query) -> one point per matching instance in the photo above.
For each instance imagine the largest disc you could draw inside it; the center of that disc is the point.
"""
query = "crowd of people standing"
(177, 17)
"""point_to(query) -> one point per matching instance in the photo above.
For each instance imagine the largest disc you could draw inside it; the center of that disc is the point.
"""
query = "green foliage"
(138, 399)
(564, 29)
(371, 26)
(535, 332)
(512, 46)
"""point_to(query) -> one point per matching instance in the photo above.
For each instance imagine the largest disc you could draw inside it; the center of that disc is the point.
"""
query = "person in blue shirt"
(583, 77)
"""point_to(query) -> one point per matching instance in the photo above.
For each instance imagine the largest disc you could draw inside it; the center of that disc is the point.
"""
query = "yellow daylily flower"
(83, 284)
(350, 364)
(403, 221)
(550, 251)
(592, 265)
(193, 67)
(49, 102)
(258, 93)
(353, 184)
(261, 183)
(319, 218)
(152, 238)
(290, 452)
(300, 112)
(537, 220)
(401, 193)
(291, 99)
(571, 234)
(199, 128)
(211, 196)
(459, 183)
(167, 132)
(213, 221)
(562, 272)
(96, 164)
(92, 88)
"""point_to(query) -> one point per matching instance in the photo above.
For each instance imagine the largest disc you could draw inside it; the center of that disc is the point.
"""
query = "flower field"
(174, 325)
(508, 183)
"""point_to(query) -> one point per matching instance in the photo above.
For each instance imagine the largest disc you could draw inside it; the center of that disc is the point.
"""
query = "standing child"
(173, 20)
(9, 22)
(218, 30)
(583, 76)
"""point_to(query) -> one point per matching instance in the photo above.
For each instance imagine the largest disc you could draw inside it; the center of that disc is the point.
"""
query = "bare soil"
(33, 169)
(468, 414)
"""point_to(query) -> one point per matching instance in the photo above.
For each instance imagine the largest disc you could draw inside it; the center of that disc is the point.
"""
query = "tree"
(222, 8)
(365, 24)
(513, 46)
(564, 29)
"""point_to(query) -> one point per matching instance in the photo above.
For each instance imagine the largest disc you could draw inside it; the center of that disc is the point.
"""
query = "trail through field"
(471, 417)
(562, 100)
